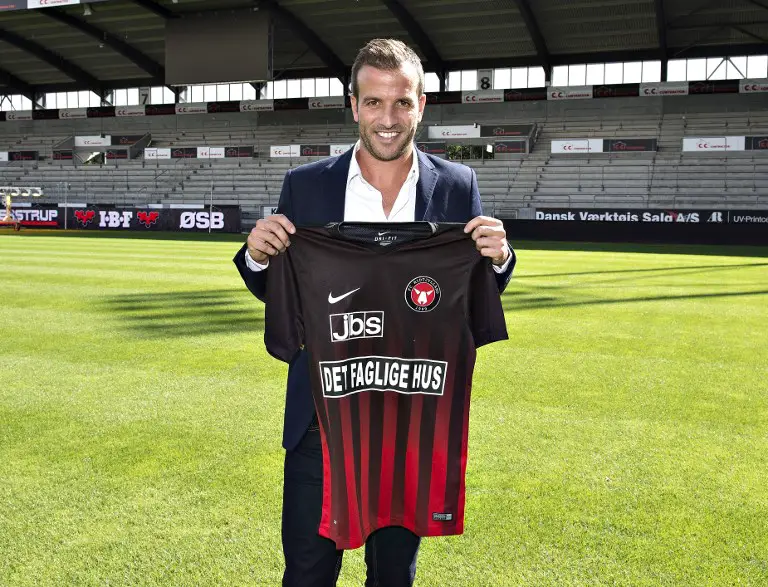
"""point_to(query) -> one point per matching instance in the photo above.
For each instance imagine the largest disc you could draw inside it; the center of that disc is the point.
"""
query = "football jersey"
(391, 315)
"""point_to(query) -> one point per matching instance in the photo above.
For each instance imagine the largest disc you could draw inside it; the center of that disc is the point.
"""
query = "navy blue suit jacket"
(314, 194)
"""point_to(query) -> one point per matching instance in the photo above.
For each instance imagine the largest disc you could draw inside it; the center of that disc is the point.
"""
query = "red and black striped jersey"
(391, 315)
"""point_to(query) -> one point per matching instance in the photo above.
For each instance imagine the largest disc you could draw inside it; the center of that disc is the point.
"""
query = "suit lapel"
(334, 186)
(425, 188)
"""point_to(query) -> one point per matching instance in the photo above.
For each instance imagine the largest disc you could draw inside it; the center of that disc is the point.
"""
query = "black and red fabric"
(391, 315)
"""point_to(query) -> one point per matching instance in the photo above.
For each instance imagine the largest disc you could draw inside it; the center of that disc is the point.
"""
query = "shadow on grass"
(521, 300)
(132, 234)
(187, 313)
(521, 245)
(657, 270)
(654, 248)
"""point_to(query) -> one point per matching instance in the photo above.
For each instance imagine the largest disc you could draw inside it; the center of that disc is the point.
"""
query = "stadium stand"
(664, 178)
(466, 38)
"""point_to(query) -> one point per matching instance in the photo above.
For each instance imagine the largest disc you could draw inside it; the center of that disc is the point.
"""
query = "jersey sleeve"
(283, 319)
(486, 314)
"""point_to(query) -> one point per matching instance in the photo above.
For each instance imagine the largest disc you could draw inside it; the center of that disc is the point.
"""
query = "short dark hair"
(386, 54)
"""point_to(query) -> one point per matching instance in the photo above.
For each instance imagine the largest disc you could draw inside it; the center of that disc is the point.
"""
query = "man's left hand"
(490, 238)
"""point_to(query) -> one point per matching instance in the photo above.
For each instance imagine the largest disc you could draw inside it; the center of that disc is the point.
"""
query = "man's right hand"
(269, 237)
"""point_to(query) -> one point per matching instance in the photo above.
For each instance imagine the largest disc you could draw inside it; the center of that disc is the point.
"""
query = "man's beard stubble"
(365, 136)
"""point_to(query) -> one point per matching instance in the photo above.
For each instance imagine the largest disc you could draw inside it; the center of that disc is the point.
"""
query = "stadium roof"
(120, 43)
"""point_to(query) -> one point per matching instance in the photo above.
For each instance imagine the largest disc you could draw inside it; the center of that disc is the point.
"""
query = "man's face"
(388, 110)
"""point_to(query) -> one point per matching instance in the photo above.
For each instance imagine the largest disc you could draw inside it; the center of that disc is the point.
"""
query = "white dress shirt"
(363, 203)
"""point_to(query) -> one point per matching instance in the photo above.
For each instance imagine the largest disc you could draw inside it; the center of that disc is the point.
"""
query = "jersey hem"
(352, 545)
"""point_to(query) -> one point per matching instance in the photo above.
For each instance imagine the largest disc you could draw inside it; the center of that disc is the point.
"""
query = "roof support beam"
(257, 86)
(482, 63)
(15, 84)
(108, 85)
(691, 27)
(55, 60)
(701, 8)
(158, 9)
(118, 45)
(309, 37)
(661, 28)
(700, 41)
(538, 39)
(568, 59)
(744, 31)
(758, 4)
(416, 32)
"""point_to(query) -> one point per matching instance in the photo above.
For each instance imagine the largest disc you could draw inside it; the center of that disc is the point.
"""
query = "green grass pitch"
(620, 437)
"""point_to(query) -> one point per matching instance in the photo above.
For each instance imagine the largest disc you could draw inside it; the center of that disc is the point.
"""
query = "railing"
(142, 190)
(164, 180)
(512, 180)
(754, 174)
(492, 198)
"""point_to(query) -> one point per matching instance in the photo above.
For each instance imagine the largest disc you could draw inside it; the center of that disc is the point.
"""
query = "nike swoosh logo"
(333, 300)
(383, 233)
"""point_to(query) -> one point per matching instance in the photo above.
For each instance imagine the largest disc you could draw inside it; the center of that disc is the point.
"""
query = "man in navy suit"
(384, 178)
